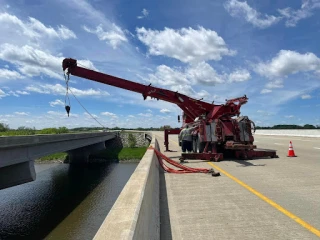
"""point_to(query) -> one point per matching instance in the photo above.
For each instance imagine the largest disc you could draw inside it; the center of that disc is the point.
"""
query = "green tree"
(165, 127)
(63, 130)
(309, 126)
(4, 127)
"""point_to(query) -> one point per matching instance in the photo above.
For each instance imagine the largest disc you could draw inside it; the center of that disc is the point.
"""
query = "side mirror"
(178, 118)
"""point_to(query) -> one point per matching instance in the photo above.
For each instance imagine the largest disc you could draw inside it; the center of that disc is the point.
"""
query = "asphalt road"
(254, 199)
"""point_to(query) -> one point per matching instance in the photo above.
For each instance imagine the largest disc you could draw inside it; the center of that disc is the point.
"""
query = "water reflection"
(33, 210)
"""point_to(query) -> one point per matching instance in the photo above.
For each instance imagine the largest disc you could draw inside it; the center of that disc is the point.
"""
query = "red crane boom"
(193, 108)
(215, 126)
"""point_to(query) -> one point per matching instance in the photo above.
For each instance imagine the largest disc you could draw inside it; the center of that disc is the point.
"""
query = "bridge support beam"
(16, 174)
(81, 155)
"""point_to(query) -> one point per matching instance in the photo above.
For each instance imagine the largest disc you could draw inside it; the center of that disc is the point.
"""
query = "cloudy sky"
(268, 50)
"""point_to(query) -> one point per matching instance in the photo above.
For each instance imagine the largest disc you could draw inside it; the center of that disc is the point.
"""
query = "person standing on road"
(185, 138)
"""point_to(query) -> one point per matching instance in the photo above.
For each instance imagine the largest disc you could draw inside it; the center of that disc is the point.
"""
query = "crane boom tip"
(68, 62)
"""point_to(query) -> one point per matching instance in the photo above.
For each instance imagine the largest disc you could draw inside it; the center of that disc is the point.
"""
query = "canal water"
(65, 202)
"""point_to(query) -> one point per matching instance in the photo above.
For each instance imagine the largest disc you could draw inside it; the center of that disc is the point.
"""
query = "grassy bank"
(122, 155)
(53, 158)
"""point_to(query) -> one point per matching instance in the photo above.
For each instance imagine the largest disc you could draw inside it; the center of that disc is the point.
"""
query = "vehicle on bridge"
(218, 129)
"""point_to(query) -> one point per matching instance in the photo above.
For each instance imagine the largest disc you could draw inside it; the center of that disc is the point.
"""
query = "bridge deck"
(255, 199)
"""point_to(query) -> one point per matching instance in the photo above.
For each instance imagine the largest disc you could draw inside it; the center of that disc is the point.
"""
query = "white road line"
(316, 148)
(278, 144)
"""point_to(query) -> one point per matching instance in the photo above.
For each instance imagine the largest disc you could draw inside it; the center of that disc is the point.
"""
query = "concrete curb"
(136, 213)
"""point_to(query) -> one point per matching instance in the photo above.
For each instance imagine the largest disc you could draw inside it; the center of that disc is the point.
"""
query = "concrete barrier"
(136, 213)
(290, 132)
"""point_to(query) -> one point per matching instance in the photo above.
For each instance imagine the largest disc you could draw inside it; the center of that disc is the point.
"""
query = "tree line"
(290, 126)
(7, 131)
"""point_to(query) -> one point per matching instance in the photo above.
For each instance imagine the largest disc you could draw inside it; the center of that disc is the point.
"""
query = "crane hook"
(67, 109)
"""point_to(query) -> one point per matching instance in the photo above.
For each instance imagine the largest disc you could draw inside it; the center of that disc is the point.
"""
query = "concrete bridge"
(17, 153)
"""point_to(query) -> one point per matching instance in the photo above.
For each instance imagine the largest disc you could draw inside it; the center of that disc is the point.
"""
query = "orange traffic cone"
(291, 152)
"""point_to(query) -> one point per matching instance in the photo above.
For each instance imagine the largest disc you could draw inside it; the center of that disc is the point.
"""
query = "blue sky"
(268, 50)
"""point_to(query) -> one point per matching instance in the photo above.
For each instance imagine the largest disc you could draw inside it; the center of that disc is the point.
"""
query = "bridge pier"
(81, 155)
(16, 174)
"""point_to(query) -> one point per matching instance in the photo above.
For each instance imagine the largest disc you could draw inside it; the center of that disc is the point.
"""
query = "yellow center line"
(268, 200)
(272, 203)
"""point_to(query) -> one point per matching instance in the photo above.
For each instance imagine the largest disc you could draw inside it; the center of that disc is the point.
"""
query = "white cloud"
(189, 91)
(200, 73)
(306, 96)
(275, 84)
(149, 110)
(66, 33)
(89, 92)
(33, 28)
(92, 115)
(34, 62)
(57, 102)
(21, 113)
(185, 44)
(12, 93)
(114, 36)
(55, 114)
(58, 89)
(239, 75)
(203, 73)
(265, 113)
(263, 91)
(167, 76)
(288, 62)
(8, 74)
(294, 16)
(165, 110)
(2, 94)
(22, 92)
(242, 9)
(283, 96)
(131, 116)
(145, 114)
(87, 64)
(289, 116)
(144, 13)
(109, 114)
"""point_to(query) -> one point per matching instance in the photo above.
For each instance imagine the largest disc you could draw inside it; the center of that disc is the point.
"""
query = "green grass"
(23, 131)
(122, 154)
(55, 156)
(17, 133)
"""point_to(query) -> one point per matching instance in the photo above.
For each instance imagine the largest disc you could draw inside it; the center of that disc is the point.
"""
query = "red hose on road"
(182, 168)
